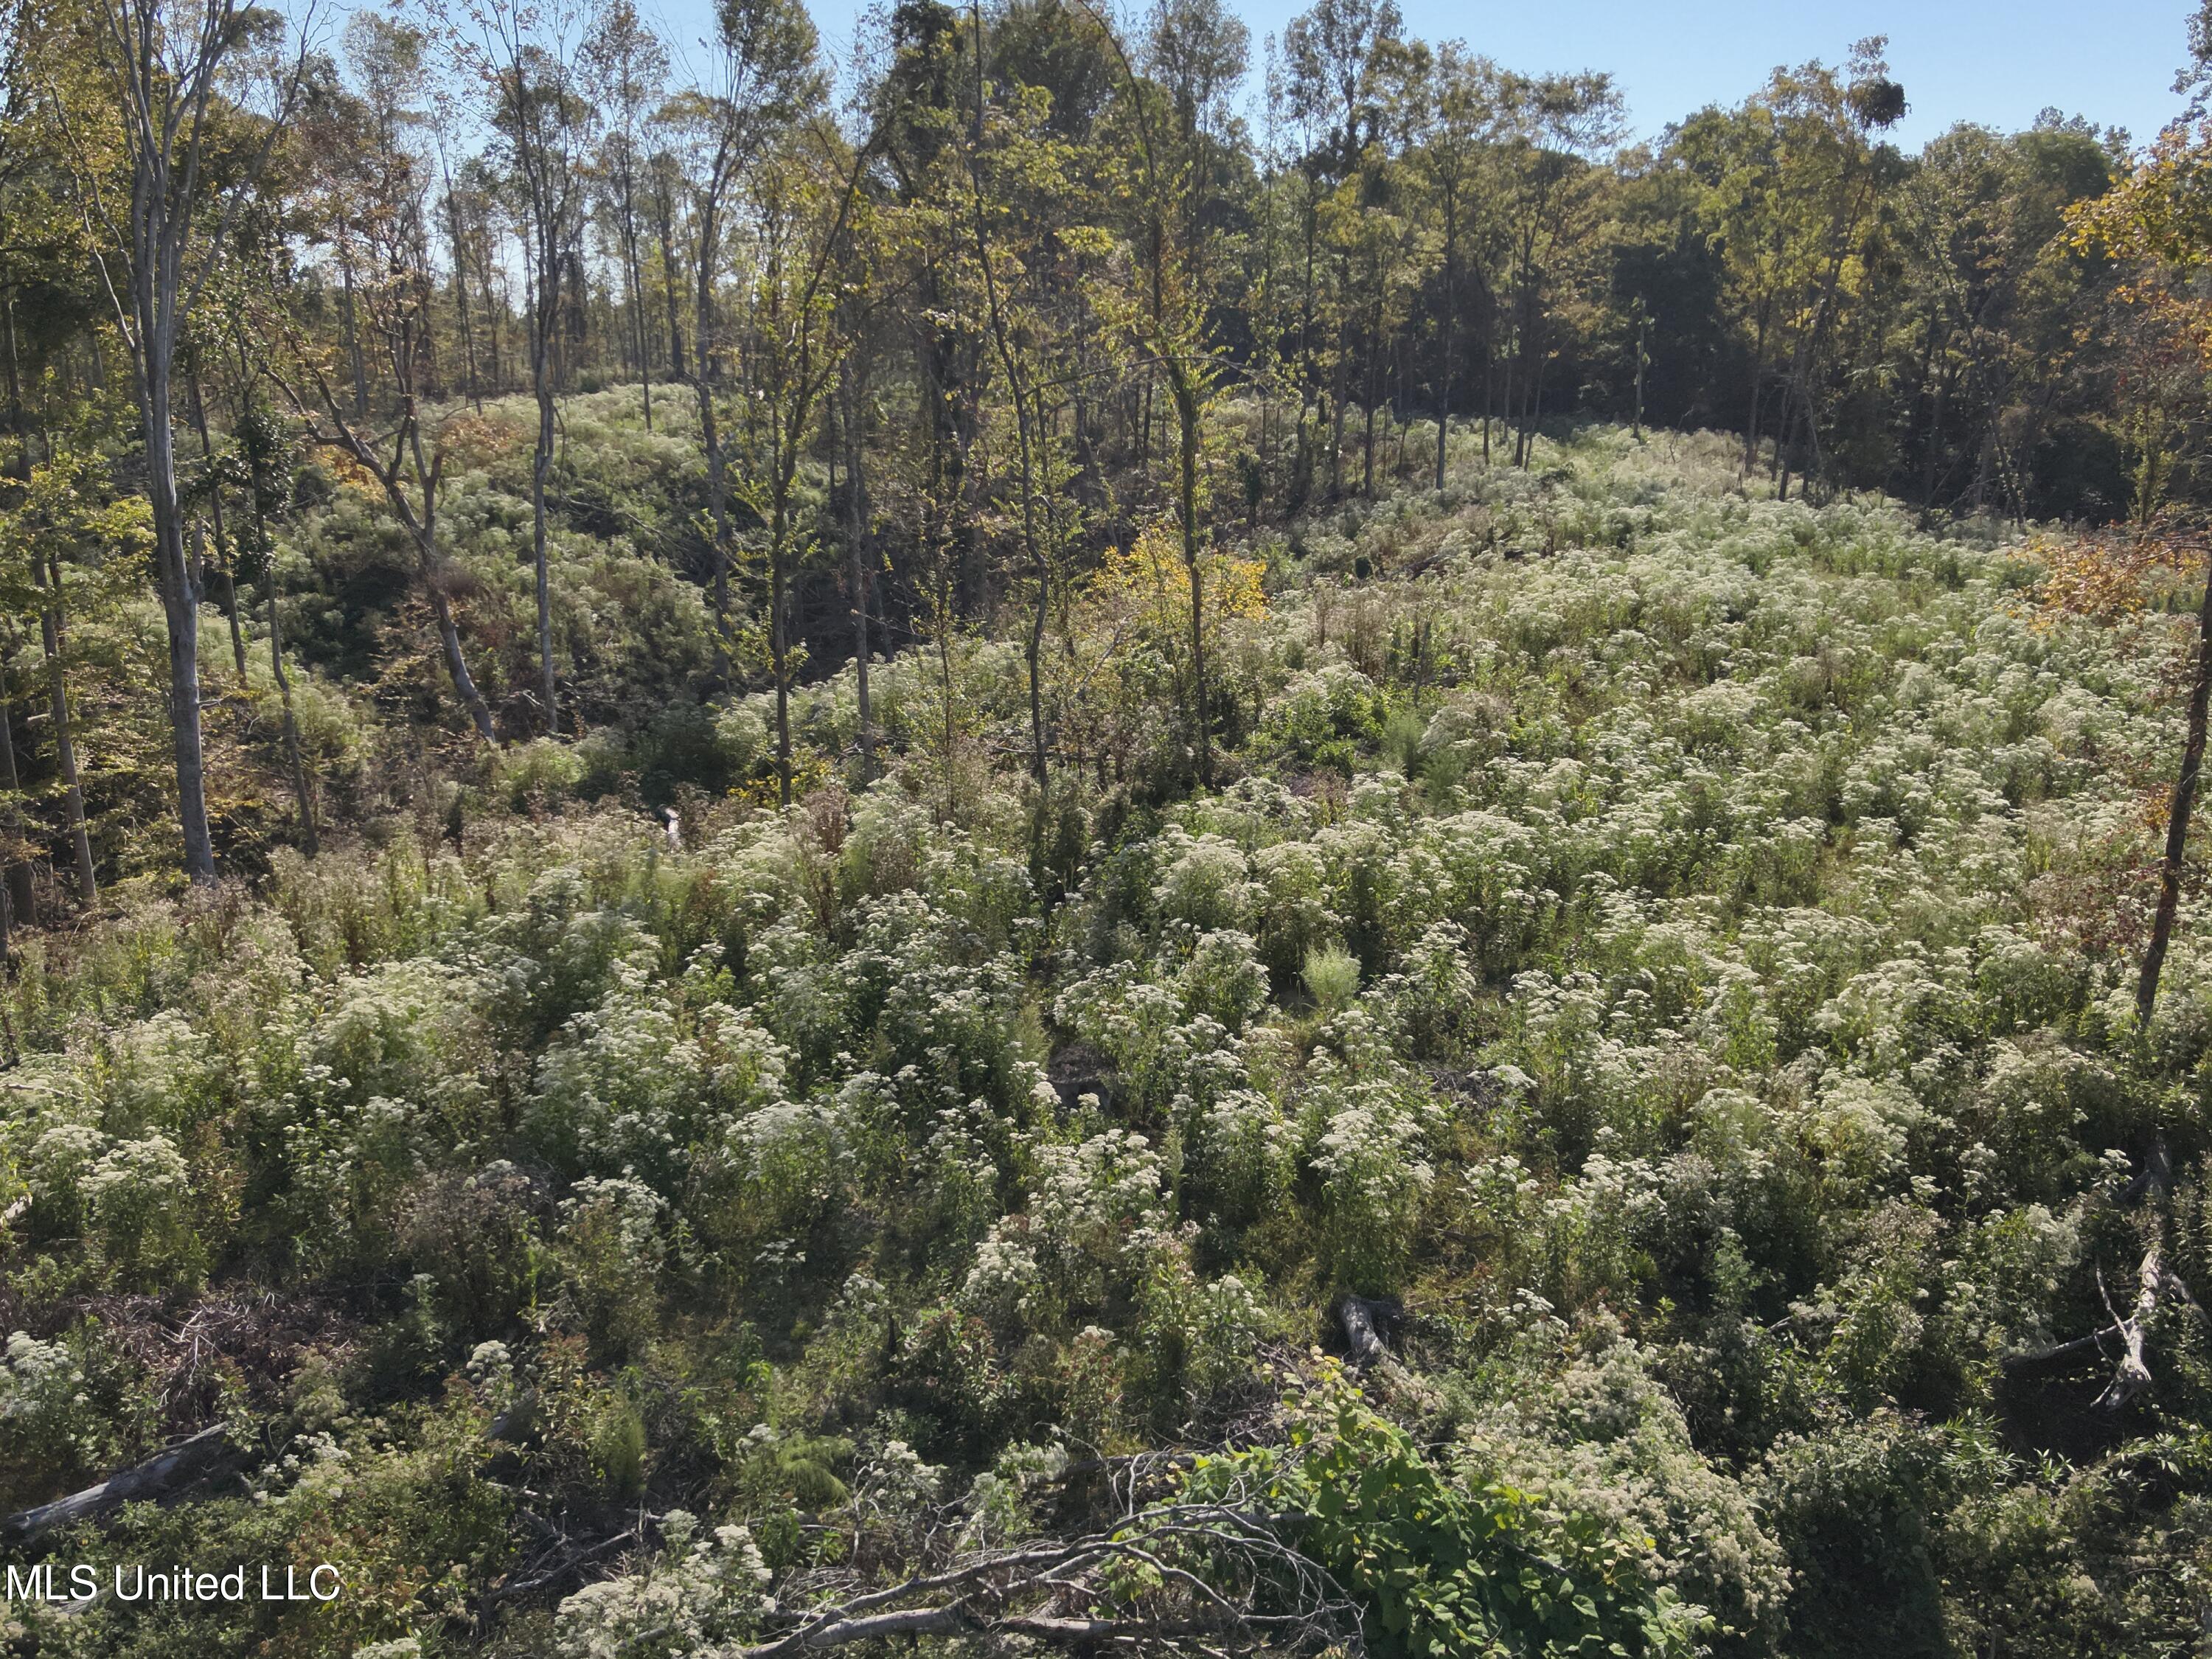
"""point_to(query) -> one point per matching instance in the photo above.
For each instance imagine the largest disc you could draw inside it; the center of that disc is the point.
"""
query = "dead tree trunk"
(200, 1454)
(2178, 814)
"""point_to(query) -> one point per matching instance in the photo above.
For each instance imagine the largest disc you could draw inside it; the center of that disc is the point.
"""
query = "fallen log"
(192, 1459)
(575, 1561)
(1359, 1321)
(1363, 1318)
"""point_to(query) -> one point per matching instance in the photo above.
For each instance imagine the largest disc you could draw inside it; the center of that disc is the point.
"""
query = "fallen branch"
(1039, 1590)
(962, 1618)
(2044, 1362)
(192, 1459)
(2131, 1373)
(2132, 1376)
(1084, 1631)
(577, 1558)
(947, 1620)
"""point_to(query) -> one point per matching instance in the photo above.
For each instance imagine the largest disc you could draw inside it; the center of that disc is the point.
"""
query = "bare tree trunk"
(17, 902)
(664, 219)
(1451, 334)
(1489, 370)
(1336, 398)
(1536, 404)
(1758, 380)
(352, 329)
(19, 909)
(492, 307)
(1506, 397)
(1935, 442)
(230, 612)
(2178, 814)
(545, 251)
(541, 468)
(308, 842)
(1785, 438)
(1187, 419)
(1374, 392)
(22, 901)
(1302, 466)
(460, 283)
(856, 548)
(706, 231)
(941, 625)
(637, 327)
(718, 516)
(548, 370)
(180, 607)
(222, 551)
(779, 647)
(53, 633)
(1039, 567)
(1640, 359)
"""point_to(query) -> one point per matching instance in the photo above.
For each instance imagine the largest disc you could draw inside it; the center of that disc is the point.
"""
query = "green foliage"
(1708, 1028)
(1451, 1558)
(1331, 976)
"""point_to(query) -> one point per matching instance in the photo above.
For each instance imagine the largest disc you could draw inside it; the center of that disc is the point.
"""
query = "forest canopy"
(1090, 837)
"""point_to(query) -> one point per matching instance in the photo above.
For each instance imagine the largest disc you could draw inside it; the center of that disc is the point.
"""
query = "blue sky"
(1997, 62)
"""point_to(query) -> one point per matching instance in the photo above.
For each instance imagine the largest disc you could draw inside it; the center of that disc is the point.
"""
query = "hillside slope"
(1668, 954)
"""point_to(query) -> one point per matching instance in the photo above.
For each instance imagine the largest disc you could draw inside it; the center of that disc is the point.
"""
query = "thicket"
(1669, 953)
(800, 855)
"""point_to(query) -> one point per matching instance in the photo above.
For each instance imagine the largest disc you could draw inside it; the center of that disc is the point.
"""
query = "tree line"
(933, 329)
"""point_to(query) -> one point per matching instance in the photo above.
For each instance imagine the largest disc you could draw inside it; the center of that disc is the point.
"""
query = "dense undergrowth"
(1673, 950)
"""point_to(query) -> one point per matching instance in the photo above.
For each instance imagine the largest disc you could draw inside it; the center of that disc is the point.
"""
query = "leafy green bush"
(1451, 1558)
(1331, 975)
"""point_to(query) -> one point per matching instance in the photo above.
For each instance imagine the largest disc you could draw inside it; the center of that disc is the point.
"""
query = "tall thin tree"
(166, 65)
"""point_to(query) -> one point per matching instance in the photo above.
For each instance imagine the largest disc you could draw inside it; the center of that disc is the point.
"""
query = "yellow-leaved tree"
(2159, 219)
(1145, 608)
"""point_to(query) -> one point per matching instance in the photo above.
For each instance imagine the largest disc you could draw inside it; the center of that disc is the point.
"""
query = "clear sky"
(1997, 62)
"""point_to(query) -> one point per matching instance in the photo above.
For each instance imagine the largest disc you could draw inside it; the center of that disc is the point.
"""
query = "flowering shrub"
(1370, 1121)
(1681, 981)
(610, 1248)
(139, 1194)
(53, 1420)
(1223, 981)
(700, 1590)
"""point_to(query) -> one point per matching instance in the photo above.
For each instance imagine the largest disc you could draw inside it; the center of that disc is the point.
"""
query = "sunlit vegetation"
(1004, 856)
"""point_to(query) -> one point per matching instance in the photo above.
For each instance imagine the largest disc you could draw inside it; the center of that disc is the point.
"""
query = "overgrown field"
(1671, 953)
